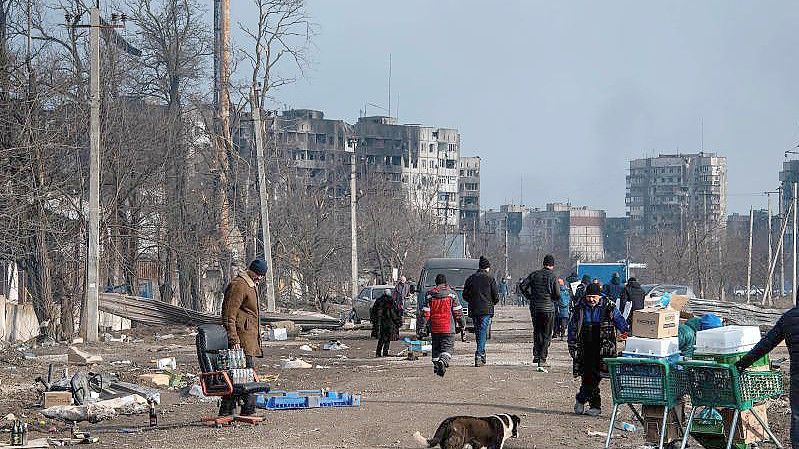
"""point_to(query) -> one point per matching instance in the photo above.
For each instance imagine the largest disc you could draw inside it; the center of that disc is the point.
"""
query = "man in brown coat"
(240, 316)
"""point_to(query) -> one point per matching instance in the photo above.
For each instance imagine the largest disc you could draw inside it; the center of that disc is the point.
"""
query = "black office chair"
(212, 338)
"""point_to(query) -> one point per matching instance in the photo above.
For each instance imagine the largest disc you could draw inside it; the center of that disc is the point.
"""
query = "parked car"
(362, 303)
(753, 291)
(657, 290)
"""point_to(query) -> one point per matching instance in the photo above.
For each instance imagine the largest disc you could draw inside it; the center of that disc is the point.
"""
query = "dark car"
(456, 271)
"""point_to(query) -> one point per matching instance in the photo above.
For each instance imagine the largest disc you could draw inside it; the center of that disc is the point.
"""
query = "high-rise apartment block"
(421, 163)
(673, 191)
(469, 192)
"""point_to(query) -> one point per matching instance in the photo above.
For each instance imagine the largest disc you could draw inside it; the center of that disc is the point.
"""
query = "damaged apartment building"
(422, 163)
(576, 231)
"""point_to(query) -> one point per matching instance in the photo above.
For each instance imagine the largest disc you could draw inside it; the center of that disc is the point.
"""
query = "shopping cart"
(716, 385)
(643, 382)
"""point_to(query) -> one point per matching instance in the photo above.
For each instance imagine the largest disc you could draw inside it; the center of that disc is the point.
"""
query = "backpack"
(526, 287)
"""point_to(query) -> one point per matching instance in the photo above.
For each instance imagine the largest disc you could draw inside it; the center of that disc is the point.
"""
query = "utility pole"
(93, 260)
(784, 217)
(89, 315)
(793, 237)
(263, 196)
(506, 246)
(768, 289)
(749, 259)
(352, 145)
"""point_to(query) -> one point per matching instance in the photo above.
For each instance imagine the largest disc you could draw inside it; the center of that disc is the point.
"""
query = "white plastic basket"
(727, 339)
(654, 347)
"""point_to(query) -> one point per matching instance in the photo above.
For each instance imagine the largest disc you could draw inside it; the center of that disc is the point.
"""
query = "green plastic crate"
(730, 359)
(643, 381)
(713, 384)
(758, 386)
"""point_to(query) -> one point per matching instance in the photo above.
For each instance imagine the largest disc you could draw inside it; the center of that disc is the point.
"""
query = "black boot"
(248, 405)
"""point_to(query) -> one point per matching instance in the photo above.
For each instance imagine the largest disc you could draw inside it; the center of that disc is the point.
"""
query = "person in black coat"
(544, 295)
(386, 322)
(787, 328)
(480, 292)
(634, 294)
(613, 290)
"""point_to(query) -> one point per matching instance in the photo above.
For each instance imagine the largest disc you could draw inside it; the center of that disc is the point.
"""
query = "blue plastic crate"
(304, 399)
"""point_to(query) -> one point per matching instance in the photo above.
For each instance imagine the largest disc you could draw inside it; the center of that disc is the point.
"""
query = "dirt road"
(399, 396)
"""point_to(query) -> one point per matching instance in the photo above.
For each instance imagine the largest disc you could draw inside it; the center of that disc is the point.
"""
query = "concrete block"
(82, 358)
(21, 322)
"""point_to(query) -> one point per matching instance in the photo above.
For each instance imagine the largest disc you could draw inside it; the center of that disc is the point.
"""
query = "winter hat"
(710, 321)
(592, 290)
(615, 279)
(549, 260)
(258, 266)
(441, 279)
(484, 263)
(586, 279)
(387, 292)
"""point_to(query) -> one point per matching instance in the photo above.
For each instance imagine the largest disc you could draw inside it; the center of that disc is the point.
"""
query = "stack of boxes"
(654, 335)
(727, 345)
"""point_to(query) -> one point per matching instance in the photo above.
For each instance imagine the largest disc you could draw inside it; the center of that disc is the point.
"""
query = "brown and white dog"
(461, 432)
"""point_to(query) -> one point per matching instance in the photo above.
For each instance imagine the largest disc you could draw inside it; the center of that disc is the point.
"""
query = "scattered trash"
(10, 417)
(121, 362)
(197, 391)
(322, 367)
(82, 358)
(77, 340)
(295, 363)
(277, 334)
(98, 411)
(628, 427)
(306, 348)
(164, 337)
(108, 338)
(53, 358)
(593, 433)
(151, 394)
(334, 345)
(541, 369)
(167, 363)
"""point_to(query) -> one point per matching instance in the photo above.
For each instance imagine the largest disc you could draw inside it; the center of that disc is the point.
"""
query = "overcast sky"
(563, 94)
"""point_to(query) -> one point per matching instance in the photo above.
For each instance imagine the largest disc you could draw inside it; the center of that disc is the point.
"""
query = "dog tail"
(424, 442)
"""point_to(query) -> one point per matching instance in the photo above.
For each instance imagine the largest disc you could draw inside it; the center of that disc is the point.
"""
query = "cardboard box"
(655, 323)
(653, 419)
(155, 379)
(678, 302)
(748, 429)
(53, 398)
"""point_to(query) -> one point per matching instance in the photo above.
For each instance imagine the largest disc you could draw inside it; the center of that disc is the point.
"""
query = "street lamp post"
(352, 145)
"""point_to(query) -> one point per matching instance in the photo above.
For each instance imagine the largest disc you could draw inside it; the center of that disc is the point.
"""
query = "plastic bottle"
(628, 427)
(24, 441)
(221, 360)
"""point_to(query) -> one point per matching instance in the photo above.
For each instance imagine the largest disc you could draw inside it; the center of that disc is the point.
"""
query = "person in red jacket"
(444, 313)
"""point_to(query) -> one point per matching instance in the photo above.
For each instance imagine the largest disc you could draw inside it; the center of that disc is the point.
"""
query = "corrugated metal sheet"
(148, 311)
